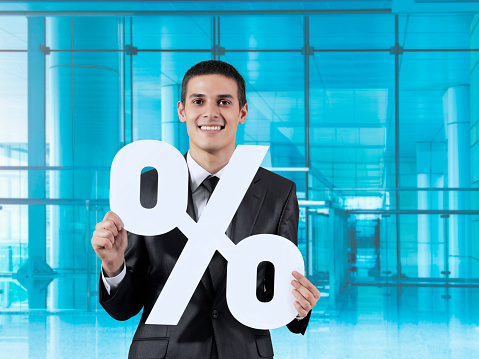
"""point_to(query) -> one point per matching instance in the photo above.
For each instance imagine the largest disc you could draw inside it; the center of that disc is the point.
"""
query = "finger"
(300, 310)
(112, 216)
(101, 243)
(111, 226)
(305, 292)
(105, 233)
(305, 304)
(306, 283)
(108, 224)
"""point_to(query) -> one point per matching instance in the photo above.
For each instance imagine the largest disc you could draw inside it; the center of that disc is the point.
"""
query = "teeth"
(211, 128)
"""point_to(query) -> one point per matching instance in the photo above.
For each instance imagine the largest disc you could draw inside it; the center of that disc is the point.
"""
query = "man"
(135, 268)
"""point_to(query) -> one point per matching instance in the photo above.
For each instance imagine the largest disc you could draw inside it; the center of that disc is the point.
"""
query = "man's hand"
(109, 241)
(306, 293)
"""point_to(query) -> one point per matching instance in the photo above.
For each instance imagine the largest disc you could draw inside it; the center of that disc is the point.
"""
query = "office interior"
(370, 107)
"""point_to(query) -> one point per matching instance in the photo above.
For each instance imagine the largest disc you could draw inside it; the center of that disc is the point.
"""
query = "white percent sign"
(207, 235)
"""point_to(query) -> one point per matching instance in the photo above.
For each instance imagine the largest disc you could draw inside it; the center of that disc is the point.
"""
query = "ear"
(243, 113)
(181, 111)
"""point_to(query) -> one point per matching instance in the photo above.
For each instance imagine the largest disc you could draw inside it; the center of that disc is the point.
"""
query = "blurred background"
(371, 107)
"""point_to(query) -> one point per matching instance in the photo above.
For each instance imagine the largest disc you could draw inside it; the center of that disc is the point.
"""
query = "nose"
(211, 110)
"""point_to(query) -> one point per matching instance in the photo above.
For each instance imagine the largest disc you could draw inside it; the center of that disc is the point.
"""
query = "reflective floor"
(371, 322)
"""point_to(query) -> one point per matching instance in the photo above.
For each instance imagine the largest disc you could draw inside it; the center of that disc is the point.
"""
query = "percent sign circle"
(172, 187)
(242, 279)
(206, 236)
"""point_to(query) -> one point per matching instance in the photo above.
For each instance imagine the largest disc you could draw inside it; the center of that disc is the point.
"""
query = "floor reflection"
(386, 322)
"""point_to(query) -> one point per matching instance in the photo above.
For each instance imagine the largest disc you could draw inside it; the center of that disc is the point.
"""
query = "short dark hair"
(215, 67)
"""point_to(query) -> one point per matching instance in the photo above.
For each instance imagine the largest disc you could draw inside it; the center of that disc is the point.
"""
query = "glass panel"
(276, 105)
(261, 32)
(88, 183)
(13, 237)
(320, 245)
(434, 152)
(13, 33)
(350, 239)
(14, 183)
(84, 32)
(438, 254)
(172, 32)
(425, 78)
(429, 235)
(14, 109)
(352, 119)
(83, 113)
(353, 31)
(436, 31)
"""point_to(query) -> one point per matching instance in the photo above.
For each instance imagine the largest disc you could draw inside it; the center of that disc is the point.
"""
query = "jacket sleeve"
(128, 298)
(288, 228)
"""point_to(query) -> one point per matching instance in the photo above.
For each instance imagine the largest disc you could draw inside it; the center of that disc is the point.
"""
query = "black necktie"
(218, 263)
(210, 184)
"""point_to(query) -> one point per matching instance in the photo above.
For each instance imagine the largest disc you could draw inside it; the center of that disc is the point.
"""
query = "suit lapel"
(248, 211)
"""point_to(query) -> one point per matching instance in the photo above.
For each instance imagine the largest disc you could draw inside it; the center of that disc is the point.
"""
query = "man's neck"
(212, 162)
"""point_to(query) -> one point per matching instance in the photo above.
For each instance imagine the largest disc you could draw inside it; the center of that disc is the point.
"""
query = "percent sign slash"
(207, 235)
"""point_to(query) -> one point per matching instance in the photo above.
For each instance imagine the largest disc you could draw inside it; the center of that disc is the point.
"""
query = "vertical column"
(338, 255)
(474, 117)
(36, 157)
(397, 51)
(60, 71)
(457, 124)
(84, 91)
(430, 174)
(332, 262)
(307, 51)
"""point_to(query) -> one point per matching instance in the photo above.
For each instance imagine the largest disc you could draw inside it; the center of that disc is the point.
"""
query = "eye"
(197, 101)
(224, 102)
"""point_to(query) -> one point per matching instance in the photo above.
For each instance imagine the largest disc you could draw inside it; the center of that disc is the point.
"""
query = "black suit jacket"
(206, 329)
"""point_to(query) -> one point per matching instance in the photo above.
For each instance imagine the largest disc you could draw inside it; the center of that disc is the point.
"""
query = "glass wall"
(372, 115)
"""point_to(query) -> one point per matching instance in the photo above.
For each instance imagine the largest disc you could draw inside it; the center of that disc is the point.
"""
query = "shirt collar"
(198, 174)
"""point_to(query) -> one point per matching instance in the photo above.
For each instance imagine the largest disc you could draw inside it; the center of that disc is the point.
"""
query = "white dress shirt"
(200, 196)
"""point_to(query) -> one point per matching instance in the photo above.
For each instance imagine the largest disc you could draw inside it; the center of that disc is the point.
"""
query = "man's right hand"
(109, 241)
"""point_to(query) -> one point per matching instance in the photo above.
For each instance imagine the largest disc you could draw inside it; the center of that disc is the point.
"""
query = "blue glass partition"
(372, 114)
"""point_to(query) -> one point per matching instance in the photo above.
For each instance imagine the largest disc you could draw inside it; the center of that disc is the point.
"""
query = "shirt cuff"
(111, 283)
(299, 318)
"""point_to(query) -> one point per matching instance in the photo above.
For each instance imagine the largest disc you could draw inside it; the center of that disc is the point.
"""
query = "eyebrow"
(219, 96)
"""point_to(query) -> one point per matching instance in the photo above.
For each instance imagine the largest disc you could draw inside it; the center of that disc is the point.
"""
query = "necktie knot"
(210, 183)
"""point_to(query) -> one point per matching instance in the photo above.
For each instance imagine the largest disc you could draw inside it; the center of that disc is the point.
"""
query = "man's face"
(212, 114)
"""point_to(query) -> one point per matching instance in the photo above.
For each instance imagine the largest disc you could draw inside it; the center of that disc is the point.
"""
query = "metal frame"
(199, 12)
(306, 51)
(397, 149)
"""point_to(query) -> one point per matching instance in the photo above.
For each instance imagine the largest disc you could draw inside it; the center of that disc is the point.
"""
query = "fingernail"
(295, 273)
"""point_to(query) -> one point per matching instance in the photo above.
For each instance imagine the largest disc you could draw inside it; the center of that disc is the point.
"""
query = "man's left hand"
(306, 293)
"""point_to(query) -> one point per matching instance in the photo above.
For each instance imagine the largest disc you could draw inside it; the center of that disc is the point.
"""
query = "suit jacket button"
(214, 314)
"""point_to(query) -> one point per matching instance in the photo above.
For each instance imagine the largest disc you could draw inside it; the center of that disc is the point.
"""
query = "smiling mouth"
(211, 128)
